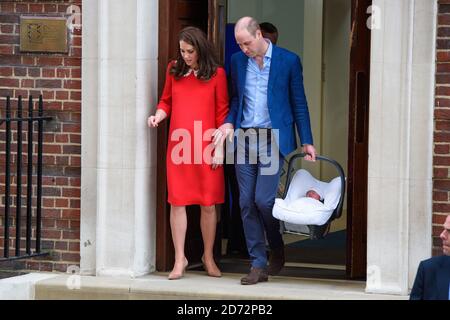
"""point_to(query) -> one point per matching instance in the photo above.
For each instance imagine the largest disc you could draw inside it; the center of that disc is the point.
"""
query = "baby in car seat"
(315, 194)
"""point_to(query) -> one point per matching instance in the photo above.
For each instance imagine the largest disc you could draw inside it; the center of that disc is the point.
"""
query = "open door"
(217, 20)
(174, 15)
(358, 140)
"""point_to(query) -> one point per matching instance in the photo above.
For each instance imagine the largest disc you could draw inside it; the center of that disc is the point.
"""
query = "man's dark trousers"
(258, 183)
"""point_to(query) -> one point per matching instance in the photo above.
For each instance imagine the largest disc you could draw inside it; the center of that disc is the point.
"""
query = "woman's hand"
(218, 158)
(153, 121)
(224, 131)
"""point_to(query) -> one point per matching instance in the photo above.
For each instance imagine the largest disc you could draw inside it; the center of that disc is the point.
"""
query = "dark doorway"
(174, 15)
(211, 17)
(358, 153)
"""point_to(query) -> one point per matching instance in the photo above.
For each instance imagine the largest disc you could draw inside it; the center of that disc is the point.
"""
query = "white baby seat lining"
(297, 209)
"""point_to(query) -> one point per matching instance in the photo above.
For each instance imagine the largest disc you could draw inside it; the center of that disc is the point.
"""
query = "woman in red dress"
(195, 97)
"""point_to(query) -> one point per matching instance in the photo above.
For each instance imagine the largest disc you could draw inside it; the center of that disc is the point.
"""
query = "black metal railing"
(19, 253)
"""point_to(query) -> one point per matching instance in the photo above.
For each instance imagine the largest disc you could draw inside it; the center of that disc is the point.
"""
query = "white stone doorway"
(119, 189)
(323, 42)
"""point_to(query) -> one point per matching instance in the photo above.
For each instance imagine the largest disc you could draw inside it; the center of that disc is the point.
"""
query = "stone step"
(196, 285)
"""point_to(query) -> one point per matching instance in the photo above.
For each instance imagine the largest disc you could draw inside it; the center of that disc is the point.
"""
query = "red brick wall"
(58, 78)
(441, 174)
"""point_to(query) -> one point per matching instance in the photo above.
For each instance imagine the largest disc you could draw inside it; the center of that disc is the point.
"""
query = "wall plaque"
(43, 34)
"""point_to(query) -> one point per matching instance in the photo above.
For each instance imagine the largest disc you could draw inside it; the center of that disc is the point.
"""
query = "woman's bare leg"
(208, 224)
(178, 225)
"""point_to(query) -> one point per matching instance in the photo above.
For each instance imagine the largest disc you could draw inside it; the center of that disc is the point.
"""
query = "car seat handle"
(338, 211)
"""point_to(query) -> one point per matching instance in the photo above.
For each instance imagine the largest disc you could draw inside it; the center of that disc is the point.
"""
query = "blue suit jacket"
(432, 279)
(286, 98)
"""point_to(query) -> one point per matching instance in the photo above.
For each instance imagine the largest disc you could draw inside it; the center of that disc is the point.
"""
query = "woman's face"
(189, 54)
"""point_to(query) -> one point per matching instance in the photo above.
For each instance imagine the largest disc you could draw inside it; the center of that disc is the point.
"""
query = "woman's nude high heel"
(211, 273)
(175, 276)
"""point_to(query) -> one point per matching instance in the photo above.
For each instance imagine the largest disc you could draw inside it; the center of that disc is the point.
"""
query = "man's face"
(248, 43)
(445, 237)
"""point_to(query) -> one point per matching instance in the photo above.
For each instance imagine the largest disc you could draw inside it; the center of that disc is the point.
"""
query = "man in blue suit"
(433, 276)
(267, 101)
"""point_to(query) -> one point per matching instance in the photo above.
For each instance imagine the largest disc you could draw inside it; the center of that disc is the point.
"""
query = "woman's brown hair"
(207, 61)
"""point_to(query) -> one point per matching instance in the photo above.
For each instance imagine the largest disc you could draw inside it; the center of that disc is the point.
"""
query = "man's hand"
(310, 152)
(224, 131)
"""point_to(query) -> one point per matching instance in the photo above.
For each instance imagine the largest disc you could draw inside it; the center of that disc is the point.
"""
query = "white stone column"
(400, 143)
(118, 201)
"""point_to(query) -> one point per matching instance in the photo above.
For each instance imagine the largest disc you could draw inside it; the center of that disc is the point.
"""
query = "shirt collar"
(190, 71)
(268, 55)
(269, 50)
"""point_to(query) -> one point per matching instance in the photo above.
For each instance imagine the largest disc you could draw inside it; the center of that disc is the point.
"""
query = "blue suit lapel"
(443, 278)
(242, 73)
(274, 69)
(241, 67)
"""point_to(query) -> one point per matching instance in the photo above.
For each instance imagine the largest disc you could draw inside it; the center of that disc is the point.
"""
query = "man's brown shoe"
(256, 275)
(276, 261)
